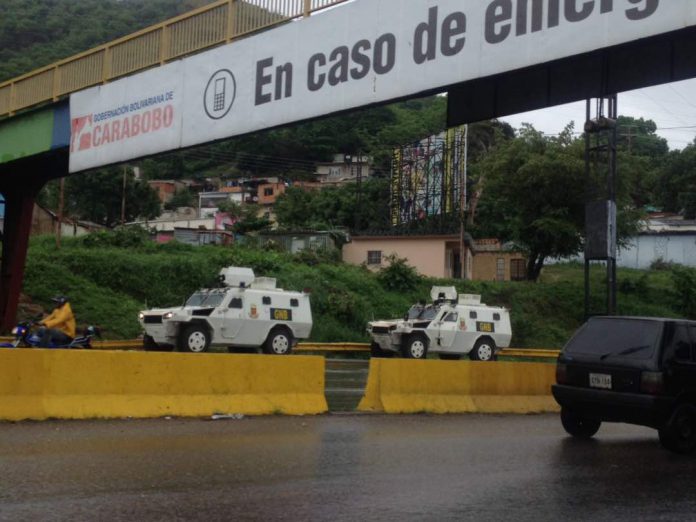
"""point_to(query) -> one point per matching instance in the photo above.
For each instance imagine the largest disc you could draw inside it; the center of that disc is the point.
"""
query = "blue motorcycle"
(26, 337)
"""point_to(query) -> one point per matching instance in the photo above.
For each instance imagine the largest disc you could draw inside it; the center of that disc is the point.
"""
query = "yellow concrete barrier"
(406, 386)
(80, 384)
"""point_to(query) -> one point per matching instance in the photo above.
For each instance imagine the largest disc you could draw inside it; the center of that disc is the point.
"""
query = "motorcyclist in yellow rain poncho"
(59, 325)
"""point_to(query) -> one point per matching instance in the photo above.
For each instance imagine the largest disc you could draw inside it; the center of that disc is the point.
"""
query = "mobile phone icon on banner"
(219, 96)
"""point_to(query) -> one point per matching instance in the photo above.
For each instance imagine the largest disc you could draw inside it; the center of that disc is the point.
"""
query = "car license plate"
(600, 380)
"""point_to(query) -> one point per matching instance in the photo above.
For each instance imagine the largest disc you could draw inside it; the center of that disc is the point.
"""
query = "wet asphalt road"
(339, 467)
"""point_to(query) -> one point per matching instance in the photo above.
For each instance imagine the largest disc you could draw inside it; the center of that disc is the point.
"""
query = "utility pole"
(59, 227)
(123, 196)
(463, 256)
(630, 135)
(600, 202)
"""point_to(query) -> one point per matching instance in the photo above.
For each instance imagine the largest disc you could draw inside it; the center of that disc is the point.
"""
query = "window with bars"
(374, 257)
(500, 269)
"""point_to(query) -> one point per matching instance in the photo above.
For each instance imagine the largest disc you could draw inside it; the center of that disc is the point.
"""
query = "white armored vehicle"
(244, 312)
(452, 326)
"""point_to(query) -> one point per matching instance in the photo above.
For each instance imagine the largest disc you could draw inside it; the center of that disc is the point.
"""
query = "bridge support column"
(19, 207)
(20, 182)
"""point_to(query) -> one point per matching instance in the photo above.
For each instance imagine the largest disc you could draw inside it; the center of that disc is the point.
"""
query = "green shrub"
(684, 280)
(398, 275)
(122, 237)
(661, 264)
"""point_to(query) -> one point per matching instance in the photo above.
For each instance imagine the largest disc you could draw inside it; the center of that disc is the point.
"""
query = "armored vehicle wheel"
(194, 338)
(679, 434)
(416, 346)
(577, 426)
(483, 350)
(279, 342)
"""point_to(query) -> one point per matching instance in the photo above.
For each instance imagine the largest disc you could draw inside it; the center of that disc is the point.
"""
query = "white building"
(668, 238)
(344, 169)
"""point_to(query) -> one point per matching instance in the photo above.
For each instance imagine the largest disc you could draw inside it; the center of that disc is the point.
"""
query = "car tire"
(416, 346)
(449, 356)
(679, 433)
(578, 426)
(279, 342)
(483, 350)
(194, 339)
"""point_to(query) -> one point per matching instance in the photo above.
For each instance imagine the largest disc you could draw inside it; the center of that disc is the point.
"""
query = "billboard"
(427, 177)
(365, 52)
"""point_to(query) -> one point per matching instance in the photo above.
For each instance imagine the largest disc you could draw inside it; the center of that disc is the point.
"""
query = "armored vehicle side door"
(233, 318)
(443, 332)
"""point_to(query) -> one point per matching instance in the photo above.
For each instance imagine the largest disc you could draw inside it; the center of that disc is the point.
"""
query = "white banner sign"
(368, 51)
(134, 117)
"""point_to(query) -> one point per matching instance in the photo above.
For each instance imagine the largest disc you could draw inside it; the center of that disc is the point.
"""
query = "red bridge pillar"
(20, 182)
(19, 206)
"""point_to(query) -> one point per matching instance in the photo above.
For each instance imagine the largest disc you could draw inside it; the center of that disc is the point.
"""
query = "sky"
(671, 106)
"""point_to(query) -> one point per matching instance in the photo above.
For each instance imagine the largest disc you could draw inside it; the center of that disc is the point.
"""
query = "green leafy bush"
(684, 280)
(398, 275)
(122, 237)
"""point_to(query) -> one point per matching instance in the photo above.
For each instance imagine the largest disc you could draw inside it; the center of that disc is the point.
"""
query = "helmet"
(59, 299)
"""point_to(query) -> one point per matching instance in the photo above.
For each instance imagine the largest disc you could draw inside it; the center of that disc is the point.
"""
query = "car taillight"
(651, 382)
(561, 373)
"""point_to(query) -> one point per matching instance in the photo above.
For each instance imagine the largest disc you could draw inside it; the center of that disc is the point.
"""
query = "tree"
(638, 137)
(641, 154)
(251, 219)
(350, 206)
(482, 139)
(36, 33)
(181, 198)
(677, 182)
(536, 197)
(98, 197)
(247, 217)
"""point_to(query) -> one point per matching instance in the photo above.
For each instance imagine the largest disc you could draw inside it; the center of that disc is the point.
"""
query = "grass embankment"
(110, 277)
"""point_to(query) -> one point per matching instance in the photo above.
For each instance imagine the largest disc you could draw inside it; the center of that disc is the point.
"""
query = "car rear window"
(612, 337)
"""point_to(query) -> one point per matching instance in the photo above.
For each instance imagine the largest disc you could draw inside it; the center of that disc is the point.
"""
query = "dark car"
(630, 369)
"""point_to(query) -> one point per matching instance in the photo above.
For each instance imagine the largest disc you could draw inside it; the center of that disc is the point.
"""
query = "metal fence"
(214, 24)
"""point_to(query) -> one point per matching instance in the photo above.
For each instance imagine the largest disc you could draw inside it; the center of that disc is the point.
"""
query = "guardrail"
(542, 353)
(530, 352)
(214, 24)
(332, 347)
(137, 344)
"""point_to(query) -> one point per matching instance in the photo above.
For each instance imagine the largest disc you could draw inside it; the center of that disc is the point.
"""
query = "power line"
(688, 102)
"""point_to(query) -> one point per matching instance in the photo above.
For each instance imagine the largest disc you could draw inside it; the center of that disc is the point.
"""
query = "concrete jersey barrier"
(79, 384)
(407, 386)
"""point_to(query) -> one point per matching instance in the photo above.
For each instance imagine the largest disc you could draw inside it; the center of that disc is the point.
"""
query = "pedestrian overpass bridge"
(234, 67)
